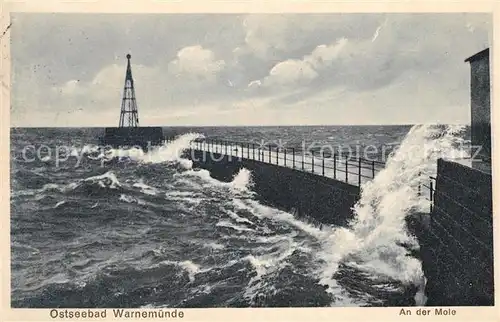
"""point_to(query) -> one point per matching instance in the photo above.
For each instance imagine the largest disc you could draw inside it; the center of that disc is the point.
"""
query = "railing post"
(293, 157)
(302, 160)
(253, 151)
(312, 162)
(373, 169)
(419, 185)
(359, 172)
(334, 166)
(269, 154)
(284, 151)
(346, 170)
(431, 194)
(323, 163)
(277, 161)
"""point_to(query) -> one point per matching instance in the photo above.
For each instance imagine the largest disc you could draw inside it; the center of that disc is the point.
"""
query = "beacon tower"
(129, 133)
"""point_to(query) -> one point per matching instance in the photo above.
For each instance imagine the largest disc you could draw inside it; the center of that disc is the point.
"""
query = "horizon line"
(222, 126)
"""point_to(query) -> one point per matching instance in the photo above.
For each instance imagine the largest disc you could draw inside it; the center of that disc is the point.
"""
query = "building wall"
(480, 106)
(457, 253)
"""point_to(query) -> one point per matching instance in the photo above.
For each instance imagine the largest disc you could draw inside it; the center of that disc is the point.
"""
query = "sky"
(262, 69)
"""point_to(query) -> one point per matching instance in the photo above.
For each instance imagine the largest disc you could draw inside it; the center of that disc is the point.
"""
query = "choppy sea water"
(153, 232)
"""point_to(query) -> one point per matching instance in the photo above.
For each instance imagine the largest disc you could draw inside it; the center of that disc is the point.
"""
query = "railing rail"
(353, 170)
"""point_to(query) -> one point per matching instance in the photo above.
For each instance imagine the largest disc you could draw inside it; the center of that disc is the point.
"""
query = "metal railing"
(427, 190)
(352, 170)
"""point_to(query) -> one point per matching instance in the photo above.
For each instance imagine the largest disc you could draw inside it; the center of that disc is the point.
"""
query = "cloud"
(295, 72)
(397, 46)
(68, 88)
(323, 55)
(295, 61)
(196, 63)
(185, 80)
(282, 36)
(263, 36)
(290, 72)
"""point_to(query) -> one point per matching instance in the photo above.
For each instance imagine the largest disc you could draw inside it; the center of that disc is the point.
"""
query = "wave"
(60, 203)
(237, 218)
(170, 152)
(107, 180)
(145, 188)
(187, 266)
(130, 199)
(227, 224)
(241, 183)
(374, 238)
(267, 265)
(214, 245)
(261, 211)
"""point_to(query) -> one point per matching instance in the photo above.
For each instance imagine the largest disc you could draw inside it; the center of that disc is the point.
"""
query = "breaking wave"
(168, 152)
(373, 241)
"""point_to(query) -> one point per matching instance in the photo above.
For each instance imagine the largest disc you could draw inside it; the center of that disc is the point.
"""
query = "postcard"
(208, 161)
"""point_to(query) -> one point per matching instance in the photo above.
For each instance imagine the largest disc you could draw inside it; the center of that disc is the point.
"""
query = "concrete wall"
(480, 105)
(457, 253)
(323, 199)
(132, 136)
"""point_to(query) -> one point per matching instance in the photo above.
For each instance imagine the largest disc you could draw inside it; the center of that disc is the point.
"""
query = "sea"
(152, 232)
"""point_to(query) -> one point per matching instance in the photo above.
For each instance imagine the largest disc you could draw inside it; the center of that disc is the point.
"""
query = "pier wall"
(457, 251)
(142, 136)
(324, 199)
